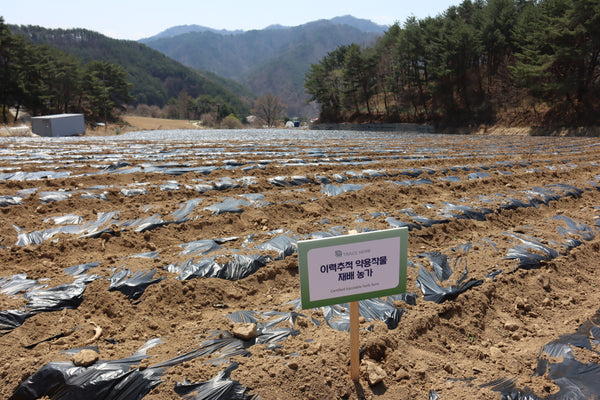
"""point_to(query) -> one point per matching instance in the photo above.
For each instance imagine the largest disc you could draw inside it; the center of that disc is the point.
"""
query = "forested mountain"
(533, 62)
(183, 29)
(273, 60)
(364, 25)
(155, 78)
(46, 80)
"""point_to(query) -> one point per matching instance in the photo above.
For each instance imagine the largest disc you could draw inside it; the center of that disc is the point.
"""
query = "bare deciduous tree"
(268, 108)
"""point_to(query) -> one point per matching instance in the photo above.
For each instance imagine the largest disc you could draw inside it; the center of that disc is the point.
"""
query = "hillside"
(183, 29)
(364, 25)
(274, 59)
(508, 63)
(155, 77)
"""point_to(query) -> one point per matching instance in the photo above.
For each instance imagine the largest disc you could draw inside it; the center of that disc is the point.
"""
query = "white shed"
(58, 125)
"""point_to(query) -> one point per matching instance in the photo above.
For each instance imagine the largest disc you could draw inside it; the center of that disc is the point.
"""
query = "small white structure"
(58, 125)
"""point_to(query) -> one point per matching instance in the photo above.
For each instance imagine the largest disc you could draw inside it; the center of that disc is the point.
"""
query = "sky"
(137, 19)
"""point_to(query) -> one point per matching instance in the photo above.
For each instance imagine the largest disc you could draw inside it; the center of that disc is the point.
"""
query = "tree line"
(529, 61)
(53, 70)
(45, 80)
(157, 80)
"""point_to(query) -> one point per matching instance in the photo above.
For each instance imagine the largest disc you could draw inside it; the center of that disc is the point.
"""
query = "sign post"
(354, 342)
(350, 268)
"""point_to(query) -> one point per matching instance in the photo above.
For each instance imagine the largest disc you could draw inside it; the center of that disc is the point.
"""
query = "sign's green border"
(305, 245)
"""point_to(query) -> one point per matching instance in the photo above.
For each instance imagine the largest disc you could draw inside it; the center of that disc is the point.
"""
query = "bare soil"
(491, 331)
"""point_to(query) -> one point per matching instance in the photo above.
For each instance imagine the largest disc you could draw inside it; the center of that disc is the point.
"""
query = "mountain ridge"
(364, 25)
(183, 29)
(272, 60)
(155, 77)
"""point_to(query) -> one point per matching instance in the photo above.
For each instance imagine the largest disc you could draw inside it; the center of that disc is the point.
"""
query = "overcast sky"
(136, 19)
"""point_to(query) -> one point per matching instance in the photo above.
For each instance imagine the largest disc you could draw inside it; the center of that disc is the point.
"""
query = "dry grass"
(134, 123)
(592, 131)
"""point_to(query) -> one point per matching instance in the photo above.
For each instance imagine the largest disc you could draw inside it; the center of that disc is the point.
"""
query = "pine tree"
(105, 89)
(8, 70)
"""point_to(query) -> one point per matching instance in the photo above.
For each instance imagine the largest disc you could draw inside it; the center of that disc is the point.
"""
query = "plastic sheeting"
(450, 178)
(116, 165)
(535, 197)
(478, 175)
(6, 201)
(69, 295)
(338, 316)
(513, 204)
(90, 229)
(577, 378)
(48, 197)
(95, 229)
(373, 173)
(238, 267)
(16, 283)
(221, 387)
(571, 371)
(279, 181)
(133, 192)
(412, 172)
(225, 184)
(257, 199)
(426, 222)
(124, 380)
(11, 319)
(222, 347)
(105, 380)
(69, 219)
(174, 170)
(41, 299)
(530, 253)
(431, 284)
(377, 309)
(81, 269)
(38, 237)
(146, 224)
(181, 215)
(202, 246)
(301, 180)
(394, 223)
(265, 320)
(574, 228)
(229, 205)
(415, 182)
(333, 190)
(169, 186)
(269, 329)
(32, 176)
(132, 285)
(284, 245)
(465, 212)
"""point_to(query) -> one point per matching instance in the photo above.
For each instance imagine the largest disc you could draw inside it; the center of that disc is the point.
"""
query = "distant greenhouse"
(58, 125)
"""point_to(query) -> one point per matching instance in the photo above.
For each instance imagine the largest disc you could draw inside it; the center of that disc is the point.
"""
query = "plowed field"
(152, 248)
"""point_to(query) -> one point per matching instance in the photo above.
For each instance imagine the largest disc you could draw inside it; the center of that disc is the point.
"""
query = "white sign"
(352, 267)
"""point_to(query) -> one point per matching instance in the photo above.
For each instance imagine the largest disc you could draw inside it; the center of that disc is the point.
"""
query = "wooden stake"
(354, 342)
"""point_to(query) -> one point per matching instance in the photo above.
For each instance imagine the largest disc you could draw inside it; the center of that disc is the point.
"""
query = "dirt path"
(145, 123)
(519, 213)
